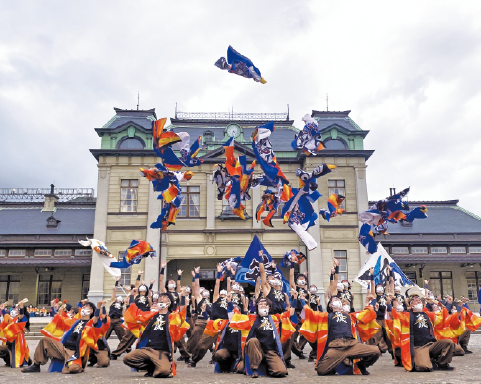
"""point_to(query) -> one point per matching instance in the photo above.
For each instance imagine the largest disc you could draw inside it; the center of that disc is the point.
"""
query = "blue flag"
(249, 267)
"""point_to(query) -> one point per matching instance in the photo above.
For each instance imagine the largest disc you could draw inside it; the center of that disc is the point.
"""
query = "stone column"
(256, 199)
(96, 291)
(211, 198)
(314, 259)
(152, 265)
(362, 205)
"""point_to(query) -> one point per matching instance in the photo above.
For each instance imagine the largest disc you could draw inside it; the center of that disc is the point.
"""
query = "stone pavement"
(468, 370)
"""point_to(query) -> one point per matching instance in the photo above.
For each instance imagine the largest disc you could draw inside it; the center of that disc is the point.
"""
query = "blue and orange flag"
(134, 254)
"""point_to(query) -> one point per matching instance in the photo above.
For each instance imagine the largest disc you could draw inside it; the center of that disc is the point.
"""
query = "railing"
(38, 194)
(231, 116)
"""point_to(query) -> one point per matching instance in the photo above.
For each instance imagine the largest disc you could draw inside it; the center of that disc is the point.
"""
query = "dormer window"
(131, 144)
(208, 136)
(52, 222)
(335, 144)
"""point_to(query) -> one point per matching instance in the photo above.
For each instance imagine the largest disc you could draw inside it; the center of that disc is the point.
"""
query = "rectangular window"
(49, 288)
(17, 252)
(85, 285)
(63, 252)
(471, 250)
(9, 287)
(206, 274)
(400, 250)
(3, 252)
(342, 257)
(43, 252)
(189, 206)
(83, 252)
(128, 195)
(418, 250)
(338, 187)
(411, 275)
(472, 279)
(441, 283)
(457, 249)
(439, 250)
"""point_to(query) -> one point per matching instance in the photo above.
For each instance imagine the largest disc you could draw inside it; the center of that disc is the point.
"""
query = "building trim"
(127, 213)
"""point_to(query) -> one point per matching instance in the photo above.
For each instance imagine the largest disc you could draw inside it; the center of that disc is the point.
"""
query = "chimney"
(50, 200)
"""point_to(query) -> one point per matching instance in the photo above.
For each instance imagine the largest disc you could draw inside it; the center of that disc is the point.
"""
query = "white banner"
(379, 261)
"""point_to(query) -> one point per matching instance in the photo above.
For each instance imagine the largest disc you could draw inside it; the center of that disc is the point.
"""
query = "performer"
(15, 351)
(202, 307)
(143, 302)
(171, 288)
(380, 338)
(219, 310)
(336, 336)
(263, 343)
(162, 329)
(423, 350)
(302, 290)
(278, 300)
(72, 350)
(116, 311)
(100, 356)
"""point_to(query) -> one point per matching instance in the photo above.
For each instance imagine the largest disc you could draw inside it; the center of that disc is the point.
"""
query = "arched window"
(131, 144)
(335, 144)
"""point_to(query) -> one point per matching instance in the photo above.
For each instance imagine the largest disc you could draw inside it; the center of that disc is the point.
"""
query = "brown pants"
(458, 350)
(127, 341)
(49, 348)
(101, 358)
(116, 326)
(226, 358)
(441, 352)
(287, 348)
(380, 339)
(463, 340)
(196, 335)
(181, 346)
(151, 360)
(340, 349)
(275, 365)
(202, 347)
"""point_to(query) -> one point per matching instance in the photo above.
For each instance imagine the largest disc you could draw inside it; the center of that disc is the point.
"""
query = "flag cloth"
(249, 267)
(134, 254)
(103, 254)
(379, 261)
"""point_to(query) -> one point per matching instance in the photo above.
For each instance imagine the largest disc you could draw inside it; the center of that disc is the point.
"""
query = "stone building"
(206, 232)
(445, 249)
(40, 257)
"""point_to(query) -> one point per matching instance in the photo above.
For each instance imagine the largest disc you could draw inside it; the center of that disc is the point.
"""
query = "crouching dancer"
(71, 353)
(423, 352)
(161, 328)
(336, 337)
(263, 344)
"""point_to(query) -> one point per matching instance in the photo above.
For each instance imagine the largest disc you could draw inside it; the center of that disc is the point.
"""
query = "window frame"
(125, 274)
(343, 274)
(11, 251)
(131, 200)
(50, 283)
(62, 252)
(9, 281)
(439, 247)
(83, 252)
(411, 275)
(127, 140)
(38, 252)
(85, 284)
(3, 252)
(395, 250)
(452, 249)
(474, 247)
(186, 202)
(441, 279)
(337, 140)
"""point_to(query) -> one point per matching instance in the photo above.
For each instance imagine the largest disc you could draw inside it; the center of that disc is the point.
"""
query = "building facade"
(206, 232)
(445, 249)
(40, 257)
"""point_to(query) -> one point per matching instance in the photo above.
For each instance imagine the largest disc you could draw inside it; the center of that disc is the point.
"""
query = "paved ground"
(468, 370)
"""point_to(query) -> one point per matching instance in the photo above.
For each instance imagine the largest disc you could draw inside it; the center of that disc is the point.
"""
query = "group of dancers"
(252, 337)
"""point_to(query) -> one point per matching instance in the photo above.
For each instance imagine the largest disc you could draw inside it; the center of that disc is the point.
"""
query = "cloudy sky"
(410, 73)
